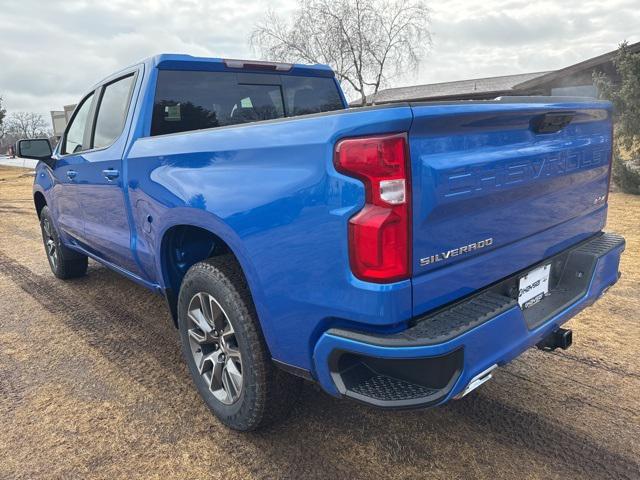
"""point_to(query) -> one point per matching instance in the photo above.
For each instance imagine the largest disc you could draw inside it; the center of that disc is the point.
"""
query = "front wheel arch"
(40, 202)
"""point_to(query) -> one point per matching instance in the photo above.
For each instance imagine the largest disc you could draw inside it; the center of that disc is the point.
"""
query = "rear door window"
(112, 111)
(192, 100)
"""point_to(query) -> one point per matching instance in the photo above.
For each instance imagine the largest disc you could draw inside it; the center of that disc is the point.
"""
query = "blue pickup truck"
(395, 255)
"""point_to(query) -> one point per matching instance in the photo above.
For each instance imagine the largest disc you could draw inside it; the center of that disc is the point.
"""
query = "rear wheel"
(224, 349)
(64, 262)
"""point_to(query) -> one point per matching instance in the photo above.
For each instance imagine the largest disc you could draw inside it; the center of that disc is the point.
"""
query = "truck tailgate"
(497, 186)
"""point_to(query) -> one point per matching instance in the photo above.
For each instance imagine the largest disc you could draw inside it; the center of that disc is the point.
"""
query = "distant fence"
(17, 162)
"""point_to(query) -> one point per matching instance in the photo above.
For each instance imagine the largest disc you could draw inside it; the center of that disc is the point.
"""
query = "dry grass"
(93, 388)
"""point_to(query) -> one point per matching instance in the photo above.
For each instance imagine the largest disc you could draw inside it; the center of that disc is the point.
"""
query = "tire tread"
(70, 264)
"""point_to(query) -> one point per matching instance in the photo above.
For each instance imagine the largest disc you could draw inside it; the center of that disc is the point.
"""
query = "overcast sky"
(52, 52)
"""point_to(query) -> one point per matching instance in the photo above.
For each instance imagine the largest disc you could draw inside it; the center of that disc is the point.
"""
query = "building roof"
(486, 87)
(474, 86)
(575, 68)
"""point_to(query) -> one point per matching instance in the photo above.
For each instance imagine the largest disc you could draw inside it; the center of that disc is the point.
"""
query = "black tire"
(64, 262)
(267, 393)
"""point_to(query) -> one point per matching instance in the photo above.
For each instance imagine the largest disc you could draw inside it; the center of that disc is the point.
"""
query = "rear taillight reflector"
(380, 233)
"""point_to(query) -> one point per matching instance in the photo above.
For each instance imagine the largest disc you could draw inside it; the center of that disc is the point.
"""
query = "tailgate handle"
(551, 122)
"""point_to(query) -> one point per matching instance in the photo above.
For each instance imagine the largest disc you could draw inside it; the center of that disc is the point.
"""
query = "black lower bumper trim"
(396, 383)
(383, 387)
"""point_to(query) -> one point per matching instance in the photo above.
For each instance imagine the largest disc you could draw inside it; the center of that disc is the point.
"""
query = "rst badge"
(454, 252)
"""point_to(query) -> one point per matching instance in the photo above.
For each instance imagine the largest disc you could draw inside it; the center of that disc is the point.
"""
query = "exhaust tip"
(476, 381)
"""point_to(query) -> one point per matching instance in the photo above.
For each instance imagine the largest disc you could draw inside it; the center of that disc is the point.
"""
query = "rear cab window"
(194, 100)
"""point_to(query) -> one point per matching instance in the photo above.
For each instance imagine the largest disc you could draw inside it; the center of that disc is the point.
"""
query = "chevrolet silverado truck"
(395, 255)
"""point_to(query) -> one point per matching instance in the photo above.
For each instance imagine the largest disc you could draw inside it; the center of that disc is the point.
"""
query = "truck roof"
(188, 62)
(177, 61)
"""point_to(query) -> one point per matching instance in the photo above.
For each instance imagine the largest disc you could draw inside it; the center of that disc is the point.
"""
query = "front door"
(69, 157)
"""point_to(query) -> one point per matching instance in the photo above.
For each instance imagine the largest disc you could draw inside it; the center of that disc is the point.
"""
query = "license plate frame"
(533, 286)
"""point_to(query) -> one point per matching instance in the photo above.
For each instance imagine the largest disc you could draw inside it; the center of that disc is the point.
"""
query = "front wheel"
(64, 263)
(225, 351)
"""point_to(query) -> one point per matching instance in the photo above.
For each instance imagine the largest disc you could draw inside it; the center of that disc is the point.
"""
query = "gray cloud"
(493, 37)
(52, 52)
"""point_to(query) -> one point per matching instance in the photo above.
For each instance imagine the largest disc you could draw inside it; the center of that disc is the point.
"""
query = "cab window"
(112, 112)
(74, 140)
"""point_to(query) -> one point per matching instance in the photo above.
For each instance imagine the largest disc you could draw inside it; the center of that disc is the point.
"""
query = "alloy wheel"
(214, 347)
(50, 243)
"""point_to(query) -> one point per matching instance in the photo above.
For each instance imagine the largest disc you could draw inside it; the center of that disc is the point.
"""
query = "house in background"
(60, 118)
(575, 81)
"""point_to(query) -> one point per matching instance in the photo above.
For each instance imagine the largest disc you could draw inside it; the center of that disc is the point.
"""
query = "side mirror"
(36, 149)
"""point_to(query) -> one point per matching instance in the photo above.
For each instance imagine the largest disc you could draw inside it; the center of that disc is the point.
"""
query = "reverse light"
(380, 233)
(393, 191)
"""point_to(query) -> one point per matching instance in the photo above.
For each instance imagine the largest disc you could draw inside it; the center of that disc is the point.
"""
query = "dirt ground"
(92, 384)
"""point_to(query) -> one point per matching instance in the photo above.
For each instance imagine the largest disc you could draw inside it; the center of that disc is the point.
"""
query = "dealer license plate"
(534, 286)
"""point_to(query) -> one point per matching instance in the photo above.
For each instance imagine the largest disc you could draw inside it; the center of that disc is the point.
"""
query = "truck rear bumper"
(445, 352)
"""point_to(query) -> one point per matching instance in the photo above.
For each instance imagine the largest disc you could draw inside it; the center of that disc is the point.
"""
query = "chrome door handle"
(71, 174)
(110, 174)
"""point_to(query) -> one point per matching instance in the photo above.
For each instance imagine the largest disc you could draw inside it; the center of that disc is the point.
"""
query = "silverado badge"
(454, 252)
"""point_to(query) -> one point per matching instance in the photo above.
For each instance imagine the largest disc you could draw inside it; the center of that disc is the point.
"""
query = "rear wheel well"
(182, 247)
(40, 202)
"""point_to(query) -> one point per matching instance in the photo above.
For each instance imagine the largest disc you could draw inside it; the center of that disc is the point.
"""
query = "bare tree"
(3, 124)
(2, 114)
(27, 125)
(365, 42)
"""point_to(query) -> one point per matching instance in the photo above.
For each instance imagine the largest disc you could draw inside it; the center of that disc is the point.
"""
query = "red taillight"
(379, 235)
